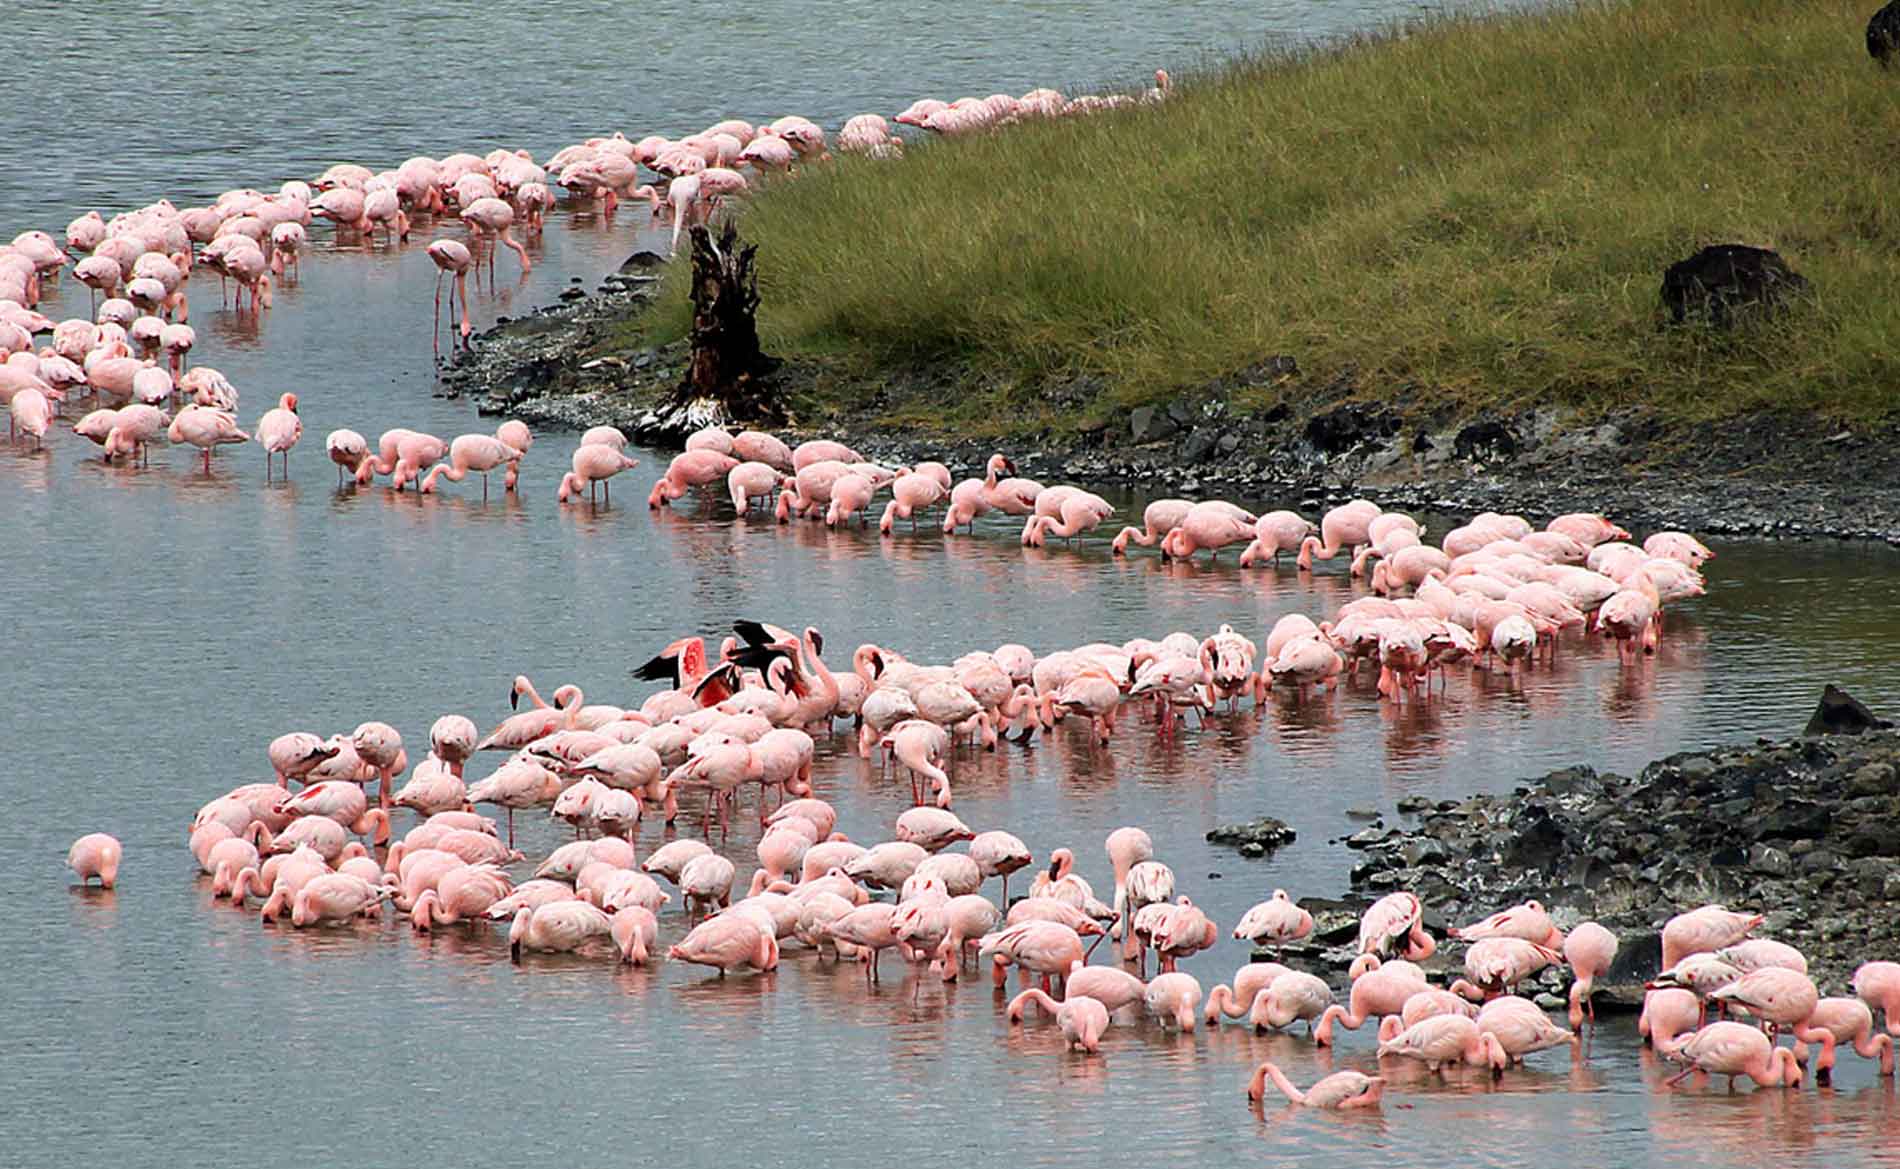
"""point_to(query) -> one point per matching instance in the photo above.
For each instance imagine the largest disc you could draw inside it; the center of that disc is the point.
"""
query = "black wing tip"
(658, 669)
(753, 632)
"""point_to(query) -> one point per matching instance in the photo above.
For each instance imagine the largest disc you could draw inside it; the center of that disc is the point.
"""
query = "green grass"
(1475, 212)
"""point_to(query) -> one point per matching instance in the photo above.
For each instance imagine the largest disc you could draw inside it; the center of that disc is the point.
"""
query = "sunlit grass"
(1479, 207)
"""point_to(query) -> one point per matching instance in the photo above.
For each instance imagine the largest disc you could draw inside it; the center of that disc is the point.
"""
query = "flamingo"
(278, 430)
(1342, 1090)
(451, 258)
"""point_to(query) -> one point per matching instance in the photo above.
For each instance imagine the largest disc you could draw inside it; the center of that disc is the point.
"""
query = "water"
(166, 625)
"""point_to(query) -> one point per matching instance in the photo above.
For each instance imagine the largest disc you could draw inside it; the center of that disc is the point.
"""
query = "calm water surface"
(166, 625)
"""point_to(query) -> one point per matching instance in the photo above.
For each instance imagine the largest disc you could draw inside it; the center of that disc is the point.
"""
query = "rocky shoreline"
(1318, 443)
(1805, 831)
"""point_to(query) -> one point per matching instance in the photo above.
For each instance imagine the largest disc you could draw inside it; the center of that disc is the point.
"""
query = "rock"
(1200, 444)
(1487, 442)
(1417, 853)
(1367, 837)
(1722, 282)
(643, 261)
(1638, 958)
(1873, 779)
(1769, 860)
(1840, 713)
(1147, 424)
(1347, 426)
(1362, 813)
(1883, 34)
(1254, 838)
(1879, 838)
(1410, 805)
(1697, 768)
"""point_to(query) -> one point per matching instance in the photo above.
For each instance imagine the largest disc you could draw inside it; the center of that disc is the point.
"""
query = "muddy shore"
(1317, 444)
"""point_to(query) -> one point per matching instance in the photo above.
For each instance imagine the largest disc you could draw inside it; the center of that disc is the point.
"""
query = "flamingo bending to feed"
(1082, 1019)
(1735, 1049)
(593, 463)
(1341, 1090)
(96, 855)
(451, 258)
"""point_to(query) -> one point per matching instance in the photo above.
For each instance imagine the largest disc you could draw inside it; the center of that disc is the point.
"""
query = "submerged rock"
(1256, 838)
(1840, 713)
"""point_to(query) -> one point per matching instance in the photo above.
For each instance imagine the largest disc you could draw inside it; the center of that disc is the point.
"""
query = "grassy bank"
(1479, 210)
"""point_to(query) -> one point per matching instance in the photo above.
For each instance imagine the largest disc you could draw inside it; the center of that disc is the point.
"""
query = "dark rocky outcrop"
(1723, 283)
(1840, 713)
(1883, 34)
(1805, 831)
(1254, 839)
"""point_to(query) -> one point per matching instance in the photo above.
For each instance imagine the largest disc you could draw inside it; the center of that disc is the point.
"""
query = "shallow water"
(166, 625)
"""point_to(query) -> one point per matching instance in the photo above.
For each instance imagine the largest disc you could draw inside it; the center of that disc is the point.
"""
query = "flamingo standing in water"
(348, 450)
(1341, 1090)
(278, 430)
(205, 429)
(452, 258)
(593, 463)
(480, 453)
(491, 216)
(96, 855)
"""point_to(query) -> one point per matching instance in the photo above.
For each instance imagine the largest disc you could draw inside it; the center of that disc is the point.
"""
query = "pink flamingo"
(1878, 985)
(1346, 526)
(1590, 949)
(1668, 1012)
(1083, 1020)
(491, 216)
(556, 927)
(1444, 1039)
(205, 429)
(1158, 519)
(1172, 998)
(1079, 512)
(1735, 1049)
(32, 413)
(1211, 524)
(687, 470)
(347, 449)
(278, 430)
(1274, 533)
(1393, 926)
(1843, 1020)
(910, 494)
(1702, 931)
(749, 481)
(1275, 921)
(451, 257)
(480, 453)
(1382, 991)
(96, 855)
(1342, 1090)
(1520, 1027)
(1528, 921)
(593, 463)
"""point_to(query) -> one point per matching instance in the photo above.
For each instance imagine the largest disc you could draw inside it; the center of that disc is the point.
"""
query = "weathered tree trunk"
(727, 373)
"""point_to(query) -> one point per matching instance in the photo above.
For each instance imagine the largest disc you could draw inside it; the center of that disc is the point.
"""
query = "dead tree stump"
(727, 378)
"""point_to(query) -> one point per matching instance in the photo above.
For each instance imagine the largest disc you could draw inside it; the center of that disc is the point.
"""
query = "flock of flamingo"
(1495, 589)
(753, 711)
(135, 348)
(754, 714)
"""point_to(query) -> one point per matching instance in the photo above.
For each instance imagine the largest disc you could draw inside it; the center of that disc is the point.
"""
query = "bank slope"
(1477, 211)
